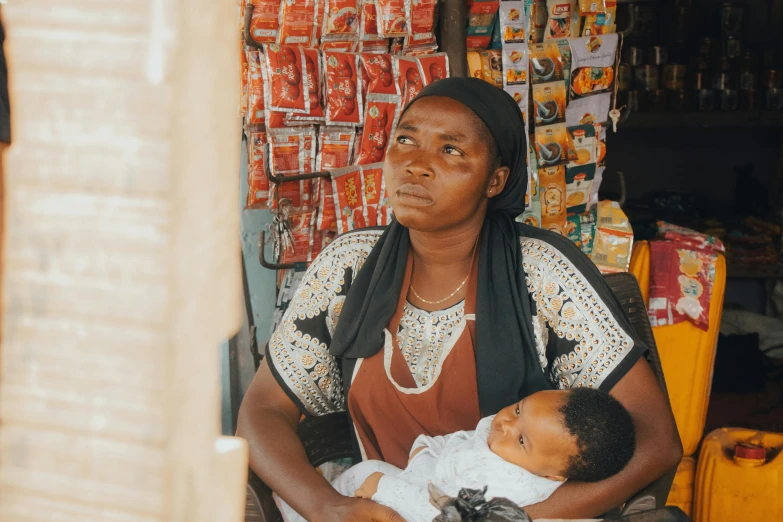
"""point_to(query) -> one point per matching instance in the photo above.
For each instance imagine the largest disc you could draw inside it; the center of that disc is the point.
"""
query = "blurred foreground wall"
(121, 262)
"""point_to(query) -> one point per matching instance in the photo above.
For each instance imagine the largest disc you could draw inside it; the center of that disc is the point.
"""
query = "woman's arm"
(268, 419)
(658, 450)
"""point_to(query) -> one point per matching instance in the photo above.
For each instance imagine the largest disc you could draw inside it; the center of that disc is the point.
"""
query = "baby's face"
(532, 435)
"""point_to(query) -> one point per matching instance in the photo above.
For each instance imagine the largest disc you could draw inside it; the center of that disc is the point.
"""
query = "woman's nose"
(419, 168)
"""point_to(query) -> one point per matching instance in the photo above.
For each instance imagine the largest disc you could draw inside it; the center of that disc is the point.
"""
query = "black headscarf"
(507, 366)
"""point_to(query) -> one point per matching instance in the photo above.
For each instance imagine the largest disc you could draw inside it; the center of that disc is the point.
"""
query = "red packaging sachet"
(257, 180)
(343, 103)
(341, 17)
(409, 76)
(422, 22)
(297, 23)
(372, 188)
(380, 121)
(394, 18)
(265, 22)
(244, 79)
(348, 195)
(311, 65)
(377, 74)
(286, 158)
(434, 67)
(255, 89)
(284, 82)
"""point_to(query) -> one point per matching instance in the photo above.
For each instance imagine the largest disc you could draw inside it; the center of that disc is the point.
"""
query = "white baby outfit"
(452, 462)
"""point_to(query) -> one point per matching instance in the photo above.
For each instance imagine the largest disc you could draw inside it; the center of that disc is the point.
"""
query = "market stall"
(617, 95)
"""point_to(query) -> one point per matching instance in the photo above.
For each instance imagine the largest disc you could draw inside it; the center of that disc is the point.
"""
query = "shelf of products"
(704, 120)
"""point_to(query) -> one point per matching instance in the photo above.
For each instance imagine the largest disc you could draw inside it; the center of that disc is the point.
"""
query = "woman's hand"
(358, 510)
(370, 486)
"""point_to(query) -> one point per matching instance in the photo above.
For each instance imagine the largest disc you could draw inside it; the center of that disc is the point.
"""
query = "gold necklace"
(452, 294)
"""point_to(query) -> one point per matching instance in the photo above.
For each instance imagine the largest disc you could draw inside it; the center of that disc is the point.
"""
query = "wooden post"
(453, 32)
(121, 270)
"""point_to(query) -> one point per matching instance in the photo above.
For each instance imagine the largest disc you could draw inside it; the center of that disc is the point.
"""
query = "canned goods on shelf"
(731, 47)
(773, 100)
(748, 100)
(771, 79)
(706, 47)
(656, 100)
(731, 18)
(658, 55)
(674, 76)
(728, 100)
(677, 101)
(647, 77)
(634, 56)
(705, 100)
(700, 81)
(721, 81)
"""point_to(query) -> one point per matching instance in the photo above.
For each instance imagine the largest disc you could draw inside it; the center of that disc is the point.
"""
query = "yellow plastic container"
(744, 484)
(687, 353)
(681, 494)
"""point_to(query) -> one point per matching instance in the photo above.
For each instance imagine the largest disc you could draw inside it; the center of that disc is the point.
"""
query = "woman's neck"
(444, 249)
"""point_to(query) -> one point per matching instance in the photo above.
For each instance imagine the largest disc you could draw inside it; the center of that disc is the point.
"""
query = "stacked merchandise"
(563, 84)
(716, 71)
(323, 84)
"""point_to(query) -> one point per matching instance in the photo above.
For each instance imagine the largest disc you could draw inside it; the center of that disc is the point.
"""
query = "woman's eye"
(516, 410)
(448, 149)
(404, 140)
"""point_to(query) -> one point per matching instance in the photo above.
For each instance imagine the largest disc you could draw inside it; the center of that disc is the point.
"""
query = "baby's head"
(579, 434)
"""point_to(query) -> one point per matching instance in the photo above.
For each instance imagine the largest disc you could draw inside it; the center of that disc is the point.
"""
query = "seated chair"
(327, 438)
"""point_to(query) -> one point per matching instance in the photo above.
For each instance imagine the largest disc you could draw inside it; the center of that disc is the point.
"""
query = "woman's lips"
(414, 195)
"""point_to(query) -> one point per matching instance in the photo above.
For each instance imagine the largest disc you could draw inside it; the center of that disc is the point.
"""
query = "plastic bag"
(470, 505)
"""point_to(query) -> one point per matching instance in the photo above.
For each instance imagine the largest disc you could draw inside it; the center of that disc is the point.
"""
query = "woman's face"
(439, 169)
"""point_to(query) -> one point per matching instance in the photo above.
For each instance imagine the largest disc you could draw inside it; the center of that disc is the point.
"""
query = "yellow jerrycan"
(681, 494)
(687, 353)
(740, 477)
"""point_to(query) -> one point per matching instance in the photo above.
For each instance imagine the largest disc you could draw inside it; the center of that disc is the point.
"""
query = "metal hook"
(299, 177)
(299, 267)
(246, 32)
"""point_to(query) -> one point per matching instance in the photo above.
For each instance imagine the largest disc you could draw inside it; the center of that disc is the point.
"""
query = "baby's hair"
(604, 433)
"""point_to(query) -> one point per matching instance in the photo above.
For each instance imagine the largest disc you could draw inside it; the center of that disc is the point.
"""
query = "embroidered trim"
(422, 337)
(541, 333)
(388, 350)
(302, 360)
(574, 311)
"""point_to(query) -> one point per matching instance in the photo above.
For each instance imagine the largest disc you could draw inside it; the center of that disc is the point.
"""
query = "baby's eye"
(521, 441)
(516, 410)
(448, 149)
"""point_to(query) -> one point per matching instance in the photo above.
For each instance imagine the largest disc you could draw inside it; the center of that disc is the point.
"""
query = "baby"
(523, 454)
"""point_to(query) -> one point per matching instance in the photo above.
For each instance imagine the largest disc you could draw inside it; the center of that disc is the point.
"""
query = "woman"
(484, 311)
